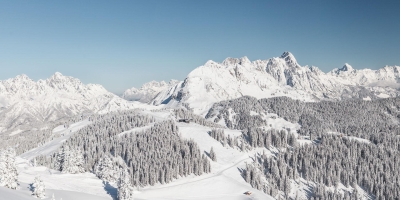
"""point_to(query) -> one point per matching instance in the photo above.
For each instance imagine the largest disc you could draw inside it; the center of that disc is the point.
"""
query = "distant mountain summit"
(278, 76)
(148, 91)
(24, 102)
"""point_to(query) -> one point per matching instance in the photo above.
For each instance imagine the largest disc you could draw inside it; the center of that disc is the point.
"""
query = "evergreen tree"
(69, 161)
(107, 170)
(39, 189)
(8, 170)
(125, 189)
(213, 156)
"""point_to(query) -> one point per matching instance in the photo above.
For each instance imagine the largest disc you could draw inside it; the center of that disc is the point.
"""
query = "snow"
(358, 139)
(16, 132)
(252, 113)
(303, 141)
(84, 183)
(7, 194)
(136, 130)
(367, 98)
(30, 103)
(148, 91)
(53, 145)
(278, 76)
(230, 79)
(350, 137)
(25, 194)
(278, 123)
(383, 95)
(61, 96)
(225, 181)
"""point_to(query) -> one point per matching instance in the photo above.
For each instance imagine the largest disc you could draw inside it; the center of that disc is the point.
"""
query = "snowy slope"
(65, 186)
(279, 76)
(52, 146)
(24, 102)
(223, 183)
(148, 91)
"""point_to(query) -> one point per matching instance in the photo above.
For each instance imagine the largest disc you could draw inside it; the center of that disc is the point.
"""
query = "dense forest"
(29, 139)
(353, 148)
(331, 159)
(107, 147)
(352, 117)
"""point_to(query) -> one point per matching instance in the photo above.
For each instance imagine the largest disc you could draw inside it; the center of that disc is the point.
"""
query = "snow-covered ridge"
(148, 91)
(24, 102)
(278, 76)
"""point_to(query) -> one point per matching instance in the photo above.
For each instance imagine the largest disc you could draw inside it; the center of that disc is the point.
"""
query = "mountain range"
(24, 102)
(278, 76)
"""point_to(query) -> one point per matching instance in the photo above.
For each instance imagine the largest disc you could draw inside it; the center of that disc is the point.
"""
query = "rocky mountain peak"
(346, 67)
(289, 58)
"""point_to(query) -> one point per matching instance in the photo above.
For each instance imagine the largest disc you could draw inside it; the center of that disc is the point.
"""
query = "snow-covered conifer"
(213, 156)
(39, 189)
(69, 161)
(107, 170)
(125, 189)
(8, 170)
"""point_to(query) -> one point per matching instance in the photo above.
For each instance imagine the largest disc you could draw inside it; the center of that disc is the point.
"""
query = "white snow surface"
(53, 145)
(223, 183)
(66, 186)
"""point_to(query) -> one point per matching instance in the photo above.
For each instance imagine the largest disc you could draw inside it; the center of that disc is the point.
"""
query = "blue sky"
(124, 44)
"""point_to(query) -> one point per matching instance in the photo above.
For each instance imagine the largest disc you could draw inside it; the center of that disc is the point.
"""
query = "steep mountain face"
(148, 91)
(24, 102)
(279, 76)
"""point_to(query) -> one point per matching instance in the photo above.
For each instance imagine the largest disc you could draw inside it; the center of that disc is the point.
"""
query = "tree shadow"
(309, 191)
(207, 154)
(242, 172)
(31, 187)
(112, 191)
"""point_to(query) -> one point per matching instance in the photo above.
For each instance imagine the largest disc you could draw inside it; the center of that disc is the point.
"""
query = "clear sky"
(121, 44)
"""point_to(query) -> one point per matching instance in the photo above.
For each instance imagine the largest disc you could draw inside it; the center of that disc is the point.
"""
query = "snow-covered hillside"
(223, 183)
(278, 76)
(148, 91)
(24, 102)
(240, 166)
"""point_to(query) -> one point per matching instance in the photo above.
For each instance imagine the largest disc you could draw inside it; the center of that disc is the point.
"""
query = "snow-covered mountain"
(148, 91)
(24, 102)
(278, 76)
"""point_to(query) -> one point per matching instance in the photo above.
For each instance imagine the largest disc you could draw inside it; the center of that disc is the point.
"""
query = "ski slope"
(223, 183)
(53, 145)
